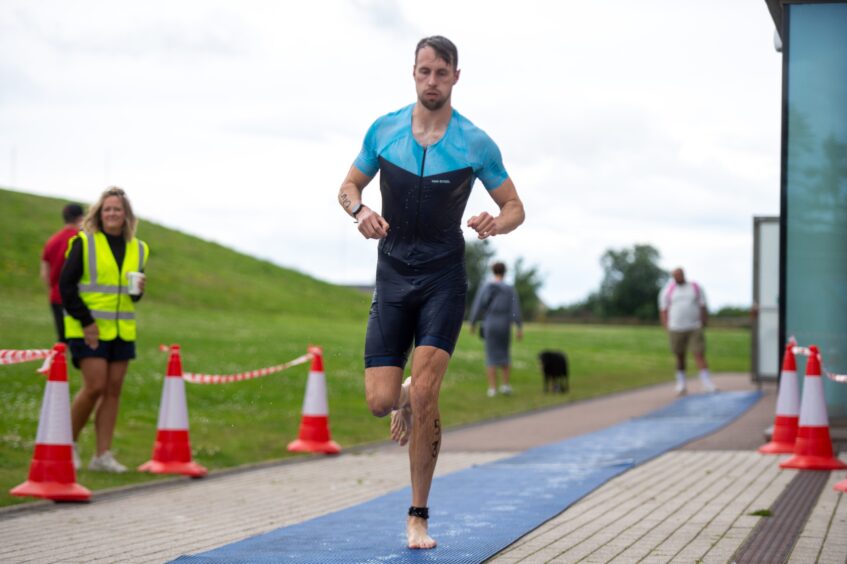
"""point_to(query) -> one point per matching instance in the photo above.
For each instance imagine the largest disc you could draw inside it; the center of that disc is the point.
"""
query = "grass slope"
(232, 313)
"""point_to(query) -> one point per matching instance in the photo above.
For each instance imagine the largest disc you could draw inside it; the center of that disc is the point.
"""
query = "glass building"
(813, 227)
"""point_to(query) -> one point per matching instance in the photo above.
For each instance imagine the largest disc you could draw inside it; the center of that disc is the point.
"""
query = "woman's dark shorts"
(112, 351)
(414, 305)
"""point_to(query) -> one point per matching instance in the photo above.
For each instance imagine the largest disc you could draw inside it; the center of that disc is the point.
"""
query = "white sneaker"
(106, 463)
(491, 392)
(75, 455)
(505, 389)
(709, 387)
(681, 389)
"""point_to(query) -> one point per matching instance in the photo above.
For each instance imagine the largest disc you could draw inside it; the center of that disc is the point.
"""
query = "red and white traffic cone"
(52, 474)
(813, 448)
(314, 427)
(172, 449)
(787, 408)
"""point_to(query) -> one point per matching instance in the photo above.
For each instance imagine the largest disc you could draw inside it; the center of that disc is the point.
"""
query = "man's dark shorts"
(411, 304)
(110, 350)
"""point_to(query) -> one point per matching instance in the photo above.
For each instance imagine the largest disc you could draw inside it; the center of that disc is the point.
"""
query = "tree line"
(632, 279)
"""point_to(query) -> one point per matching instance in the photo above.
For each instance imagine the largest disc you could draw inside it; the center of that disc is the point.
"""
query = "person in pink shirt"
(683, 311)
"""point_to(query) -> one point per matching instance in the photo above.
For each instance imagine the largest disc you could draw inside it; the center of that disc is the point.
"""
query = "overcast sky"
(620, 122)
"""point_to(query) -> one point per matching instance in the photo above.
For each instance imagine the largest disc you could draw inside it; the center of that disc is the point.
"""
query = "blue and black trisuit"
(420, 277)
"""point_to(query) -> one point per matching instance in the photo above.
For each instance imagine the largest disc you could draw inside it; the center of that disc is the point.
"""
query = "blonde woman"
(100, 316)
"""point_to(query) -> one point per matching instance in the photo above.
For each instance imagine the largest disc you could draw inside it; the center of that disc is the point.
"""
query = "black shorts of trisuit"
(414, 305)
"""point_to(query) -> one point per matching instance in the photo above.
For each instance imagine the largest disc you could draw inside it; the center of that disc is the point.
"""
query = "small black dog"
(554, 366)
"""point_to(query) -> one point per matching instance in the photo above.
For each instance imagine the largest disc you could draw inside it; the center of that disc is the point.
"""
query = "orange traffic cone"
(52, 474)
(787, 408)
(813, 448)
(172, 450)
(314, 426)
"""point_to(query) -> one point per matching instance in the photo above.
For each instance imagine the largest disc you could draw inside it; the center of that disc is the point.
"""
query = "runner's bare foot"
(401, 418)
(416, 533)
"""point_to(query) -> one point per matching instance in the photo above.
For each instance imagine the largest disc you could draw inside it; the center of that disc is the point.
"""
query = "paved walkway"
(689, 505)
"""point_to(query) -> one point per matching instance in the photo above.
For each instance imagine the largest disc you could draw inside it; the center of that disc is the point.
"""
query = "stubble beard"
(432, 105)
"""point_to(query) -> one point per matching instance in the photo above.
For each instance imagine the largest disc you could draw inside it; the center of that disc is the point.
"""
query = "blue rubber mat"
(477, 512)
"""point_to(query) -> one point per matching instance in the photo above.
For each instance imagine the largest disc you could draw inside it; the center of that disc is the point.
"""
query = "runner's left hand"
(484, 224)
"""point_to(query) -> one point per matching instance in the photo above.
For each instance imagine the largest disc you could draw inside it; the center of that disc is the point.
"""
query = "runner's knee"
(379, 406)
(380, 401)
(382, 389)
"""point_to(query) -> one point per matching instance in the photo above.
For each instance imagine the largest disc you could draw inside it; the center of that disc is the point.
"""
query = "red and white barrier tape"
(840, 378)
(229, 378)
(8, 356)
(16, 356)
(804, 351)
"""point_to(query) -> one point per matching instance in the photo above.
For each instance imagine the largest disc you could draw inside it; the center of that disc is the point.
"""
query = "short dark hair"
(498, 268)
(72, 212)
(443, 47)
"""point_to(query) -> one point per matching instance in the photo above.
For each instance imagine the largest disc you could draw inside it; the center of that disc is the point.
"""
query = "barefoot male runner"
(428, 156)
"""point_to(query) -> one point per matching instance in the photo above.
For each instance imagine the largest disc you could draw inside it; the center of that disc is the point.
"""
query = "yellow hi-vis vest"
(104, 287)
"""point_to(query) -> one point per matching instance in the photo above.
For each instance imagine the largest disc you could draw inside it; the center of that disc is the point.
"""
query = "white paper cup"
(135, 279)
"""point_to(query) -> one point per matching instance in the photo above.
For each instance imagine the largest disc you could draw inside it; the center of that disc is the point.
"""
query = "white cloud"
(655, 122)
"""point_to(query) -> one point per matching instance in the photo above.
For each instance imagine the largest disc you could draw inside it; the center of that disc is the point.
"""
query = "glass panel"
(816, 186)
(766, 297)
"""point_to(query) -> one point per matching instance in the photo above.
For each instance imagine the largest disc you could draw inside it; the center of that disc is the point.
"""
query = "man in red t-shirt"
(52, 259)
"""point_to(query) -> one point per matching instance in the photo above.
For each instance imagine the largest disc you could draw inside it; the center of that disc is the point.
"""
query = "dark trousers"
(59, 320)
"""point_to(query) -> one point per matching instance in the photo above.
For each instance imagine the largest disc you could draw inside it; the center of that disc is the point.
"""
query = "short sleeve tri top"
(425, 189)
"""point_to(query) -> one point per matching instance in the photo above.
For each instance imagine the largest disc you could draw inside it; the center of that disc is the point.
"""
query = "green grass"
(252, 314)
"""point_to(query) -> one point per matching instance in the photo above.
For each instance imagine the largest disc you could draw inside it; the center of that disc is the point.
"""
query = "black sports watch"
(356, 209)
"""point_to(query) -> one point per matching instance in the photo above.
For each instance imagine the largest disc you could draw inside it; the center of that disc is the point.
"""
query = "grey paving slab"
(702, 517)
(824, 537)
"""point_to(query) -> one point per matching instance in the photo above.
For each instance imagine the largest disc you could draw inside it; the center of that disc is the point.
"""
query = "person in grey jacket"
(496, 305)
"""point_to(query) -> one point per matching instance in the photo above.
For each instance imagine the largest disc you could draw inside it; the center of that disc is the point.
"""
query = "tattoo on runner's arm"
(344, 200)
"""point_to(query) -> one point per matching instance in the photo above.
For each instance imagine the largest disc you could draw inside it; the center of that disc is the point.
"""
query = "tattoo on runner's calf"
(437, 442)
